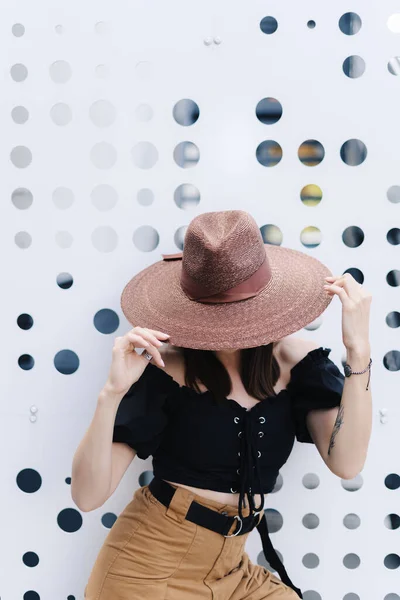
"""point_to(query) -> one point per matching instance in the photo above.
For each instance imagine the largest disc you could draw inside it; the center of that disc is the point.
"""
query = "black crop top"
(225, 447)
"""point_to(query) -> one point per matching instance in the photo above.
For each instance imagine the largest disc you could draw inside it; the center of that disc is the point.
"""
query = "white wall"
(142, 58)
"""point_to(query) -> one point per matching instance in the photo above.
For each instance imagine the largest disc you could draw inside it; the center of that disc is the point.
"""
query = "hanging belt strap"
(272, 556)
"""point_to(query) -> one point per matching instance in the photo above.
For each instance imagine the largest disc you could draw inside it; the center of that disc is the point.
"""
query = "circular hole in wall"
(269, 111)
(269, 153)
(19, 115)
(353, 152)
(186, 112)
(310, 481)
(144, 113)
(144, 155)
(19, 72)
(102, 113)
(393, 194)
(187, 196)
(104, 238)
(393, 319)
(22, 198)
(311, 194)
(271, 234)
(351, 521)
(63, 197)
(23, 239)
(186, 155)
(145, 197)
(18, 29)
(61, 114)
(25, 321)
(350, 23)
(311, 236)
(268, 25)
(311, 153)
(104, 197)
(60, 71)
(66, 362)
(146, 238)
(353, 66)
(106, 321)
(103, 155)
(353, 236)
(21, 157)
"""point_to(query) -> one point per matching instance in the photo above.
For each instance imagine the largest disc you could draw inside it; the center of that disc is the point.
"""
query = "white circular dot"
(144, 70)
(102, 27)
(23, 239)
(145, 197)
(18, 29)
(21, 156)
(19, 115)
(102, 113)
(19, 72)
(104, 197)
(22, 198)
(60, 71)
(63, 197)
(61, 114)
(144, 155)
(146, 238)
(102, 71)
(103, 155)
(64, 239)
(144, 113)
(104, 239)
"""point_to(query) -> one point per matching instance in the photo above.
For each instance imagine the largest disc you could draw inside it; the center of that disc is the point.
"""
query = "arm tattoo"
(336, 427)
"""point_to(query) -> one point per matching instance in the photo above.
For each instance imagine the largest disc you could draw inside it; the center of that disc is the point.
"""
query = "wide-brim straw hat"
(227, 288)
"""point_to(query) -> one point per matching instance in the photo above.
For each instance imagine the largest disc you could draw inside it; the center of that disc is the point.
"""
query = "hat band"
(246, 289)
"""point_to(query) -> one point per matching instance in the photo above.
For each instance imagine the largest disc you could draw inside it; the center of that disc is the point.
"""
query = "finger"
(140, 342)
(150, 345)
(156, 332)
(339, 291)
(155, 354)
(347, 281)
(131, 339)
(150, 337)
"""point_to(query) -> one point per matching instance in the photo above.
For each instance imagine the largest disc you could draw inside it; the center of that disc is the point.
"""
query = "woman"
(221, 417)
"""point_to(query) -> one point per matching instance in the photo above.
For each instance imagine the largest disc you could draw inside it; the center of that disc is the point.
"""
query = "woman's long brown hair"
(259, 371)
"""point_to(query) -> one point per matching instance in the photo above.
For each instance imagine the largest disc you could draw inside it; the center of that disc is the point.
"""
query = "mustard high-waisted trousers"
(153, 553)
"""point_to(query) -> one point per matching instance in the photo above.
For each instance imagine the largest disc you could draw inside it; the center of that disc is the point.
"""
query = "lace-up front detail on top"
(249, 470)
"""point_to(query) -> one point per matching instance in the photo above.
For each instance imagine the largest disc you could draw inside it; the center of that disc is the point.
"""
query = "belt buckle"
(240, 528)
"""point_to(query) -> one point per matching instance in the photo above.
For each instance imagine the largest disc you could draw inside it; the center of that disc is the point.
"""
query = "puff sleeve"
(316, 382)
(141, 415)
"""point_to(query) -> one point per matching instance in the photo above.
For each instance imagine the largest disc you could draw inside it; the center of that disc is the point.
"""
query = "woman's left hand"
(356, 302)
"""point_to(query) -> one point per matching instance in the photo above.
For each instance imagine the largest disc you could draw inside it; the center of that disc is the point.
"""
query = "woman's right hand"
(127, 365)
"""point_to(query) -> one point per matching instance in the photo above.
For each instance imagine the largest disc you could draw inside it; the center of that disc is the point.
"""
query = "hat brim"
(293, 298)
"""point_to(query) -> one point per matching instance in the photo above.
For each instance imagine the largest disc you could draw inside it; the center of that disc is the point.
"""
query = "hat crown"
(222, 249)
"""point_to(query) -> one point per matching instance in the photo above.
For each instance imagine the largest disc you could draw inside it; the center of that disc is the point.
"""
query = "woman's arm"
(99, 464)
(342, 435)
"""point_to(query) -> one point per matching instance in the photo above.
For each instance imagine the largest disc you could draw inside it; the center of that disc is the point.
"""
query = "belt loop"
(179, 505)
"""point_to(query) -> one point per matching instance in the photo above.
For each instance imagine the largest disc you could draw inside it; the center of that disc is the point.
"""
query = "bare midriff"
(223, 497)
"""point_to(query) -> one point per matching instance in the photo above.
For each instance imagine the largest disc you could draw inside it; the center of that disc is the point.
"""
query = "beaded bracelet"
(348, 371)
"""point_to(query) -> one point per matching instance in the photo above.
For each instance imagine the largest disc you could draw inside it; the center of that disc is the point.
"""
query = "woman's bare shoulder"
(292, 349)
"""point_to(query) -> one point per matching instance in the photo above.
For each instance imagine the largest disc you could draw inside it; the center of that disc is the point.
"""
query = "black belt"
(220, 523)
